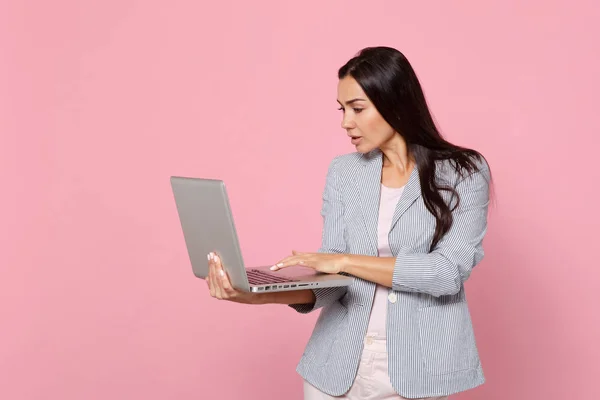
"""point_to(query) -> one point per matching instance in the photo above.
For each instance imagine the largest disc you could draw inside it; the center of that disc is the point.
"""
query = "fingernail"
(273, 268)
(208, 256)
(211, 255)
(216, 257)
(280, 265)
(222, 273)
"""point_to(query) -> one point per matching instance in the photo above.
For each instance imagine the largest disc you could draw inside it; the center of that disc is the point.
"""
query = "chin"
(361, 148)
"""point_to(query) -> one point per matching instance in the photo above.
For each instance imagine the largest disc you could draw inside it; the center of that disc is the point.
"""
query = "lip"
(355, 139)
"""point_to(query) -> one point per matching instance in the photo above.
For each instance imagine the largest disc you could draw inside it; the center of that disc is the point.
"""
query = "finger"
(289, 262)
(219, 277)
(223, 277)
(227, 287)
(214, 278)
(207, 279)
(211, 268)
(282, 263)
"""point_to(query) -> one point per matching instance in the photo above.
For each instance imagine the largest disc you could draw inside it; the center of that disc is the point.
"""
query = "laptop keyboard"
(257, 277)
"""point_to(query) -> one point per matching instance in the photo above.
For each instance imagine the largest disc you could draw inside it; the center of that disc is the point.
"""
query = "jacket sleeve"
(443, 270)
(333, 240)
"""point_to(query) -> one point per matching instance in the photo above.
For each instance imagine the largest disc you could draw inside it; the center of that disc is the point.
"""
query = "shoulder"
(478, 177)
(344, 165)
(448, 172)
(346, 160)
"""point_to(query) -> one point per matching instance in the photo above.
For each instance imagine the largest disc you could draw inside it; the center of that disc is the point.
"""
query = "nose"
(347, 122)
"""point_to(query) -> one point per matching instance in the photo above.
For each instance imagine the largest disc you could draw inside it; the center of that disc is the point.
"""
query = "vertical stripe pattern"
(431, 342)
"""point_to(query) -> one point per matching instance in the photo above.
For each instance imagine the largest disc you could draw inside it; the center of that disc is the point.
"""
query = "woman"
(405, 215)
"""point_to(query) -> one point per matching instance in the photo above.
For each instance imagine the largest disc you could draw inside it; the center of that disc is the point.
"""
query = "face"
(365, 126)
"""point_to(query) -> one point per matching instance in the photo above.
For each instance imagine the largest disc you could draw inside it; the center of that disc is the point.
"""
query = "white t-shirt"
(387, 205)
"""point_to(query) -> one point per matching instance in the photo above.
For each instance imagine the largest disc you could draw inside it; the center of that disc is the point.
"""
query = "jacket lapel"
(368, 181)
(412, 191)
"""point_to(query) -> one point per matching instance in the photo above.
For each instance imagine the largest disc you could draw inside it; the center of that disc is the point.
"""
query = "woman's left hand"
(322, 262)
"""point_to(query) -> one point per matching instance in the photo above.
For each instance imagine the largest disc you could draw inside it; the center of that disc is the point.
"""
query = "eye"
(357, 110)
(341, 108)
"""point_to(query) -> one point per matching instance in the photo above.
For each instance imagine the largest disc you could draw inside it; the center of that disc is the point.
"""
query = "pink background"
(101, 101)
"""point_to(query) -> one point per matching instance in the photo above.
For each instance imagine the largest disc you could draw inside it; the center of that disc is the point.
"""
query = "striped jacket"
(430, 339)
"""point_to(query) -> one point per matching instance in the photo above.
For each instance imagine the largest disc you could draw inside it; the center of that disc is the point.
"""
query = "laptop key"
(257, 277)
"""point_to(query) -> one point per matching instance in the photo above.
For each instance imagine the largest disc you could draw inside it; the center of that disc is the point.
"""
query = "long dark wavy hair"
(391, 84)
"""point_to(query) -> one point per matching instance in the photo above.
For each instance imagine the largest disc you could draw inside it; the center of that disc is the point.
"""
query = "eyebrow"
(352, 101)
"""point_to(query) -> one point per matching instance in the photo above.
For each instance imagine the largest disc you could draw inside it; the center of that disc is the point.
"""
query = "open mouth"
(355, 140)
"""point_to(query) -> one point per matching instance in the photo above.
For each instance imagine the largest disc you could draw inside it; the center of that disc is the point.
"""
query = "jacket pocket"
(447, 338)
(326, 332)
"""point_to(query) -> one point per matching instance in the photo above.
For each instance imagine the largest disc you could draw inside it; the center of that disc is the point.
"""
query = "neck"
(395, 155)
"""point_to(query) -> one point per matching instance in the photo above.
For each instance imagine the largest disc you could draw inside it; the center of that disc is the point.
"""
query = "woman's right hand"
(220, 286)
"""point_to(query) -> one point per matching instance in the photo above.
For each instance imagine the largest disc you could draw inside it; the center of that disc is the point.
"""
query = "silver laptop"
(207, 224)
